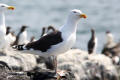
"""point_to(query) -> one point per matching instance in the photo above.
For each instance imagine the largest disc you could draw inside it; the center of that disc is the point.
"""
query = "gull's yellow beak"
(10, 7)
(83, 16)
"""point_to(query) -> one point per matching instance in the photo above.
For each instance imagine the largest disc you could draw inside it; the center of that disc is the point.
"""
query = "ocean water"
(102, 15)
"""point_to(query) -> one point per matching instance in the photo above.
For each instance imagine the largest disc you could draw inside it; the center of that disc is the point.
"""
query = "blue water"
(102, 15)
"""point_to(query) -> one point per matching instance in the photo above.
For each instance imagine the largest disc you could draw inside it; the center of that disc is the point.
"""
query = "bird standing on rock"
(56, 42)
(92, 44)
(9, 36)
(111, 48)
(3, 41)
(110, 40)
(110, 44)
(21, 36)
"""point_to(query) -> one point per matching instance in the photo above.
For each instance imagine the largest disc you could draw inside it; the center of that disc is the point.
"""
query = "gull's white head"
(4, 7)
(77, 14)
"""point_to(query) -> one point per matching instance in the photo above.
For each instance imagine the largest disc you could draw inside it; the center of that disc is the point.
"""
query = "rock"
(6, 74)
(88, 67)
(40, 74)
(49, 75)
(19, 61)
(82, 65)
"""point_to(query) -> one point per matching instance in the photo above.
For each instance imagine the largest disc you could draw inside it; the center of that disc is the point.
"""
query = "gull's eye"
(74, 12)
(2, 6)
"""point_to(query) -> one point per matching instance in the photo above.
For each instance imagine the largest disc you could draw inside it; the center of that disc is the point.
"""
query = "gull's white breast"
(65, 45)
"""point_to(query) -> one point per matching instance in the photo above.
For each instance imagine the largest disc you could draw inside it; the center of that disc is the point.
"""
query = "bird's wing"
(45, 42)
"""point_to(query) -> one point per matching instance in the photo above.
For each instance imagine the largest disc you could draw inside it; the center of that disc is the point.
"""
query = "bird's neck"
(70, 25)
(22, 30)
(43, 32)
(2, 19)
(93, 35)
(7, 32)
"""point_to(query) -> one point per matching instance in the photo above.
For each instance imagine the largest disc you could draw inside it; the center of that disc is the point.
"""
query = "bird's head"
(4, 7)
(51, 28)
(8, 30)
(23, 28)
(44, 28)
(77, 14)
(107, 32)
(109, 36)
(92, 30)
(8, 27)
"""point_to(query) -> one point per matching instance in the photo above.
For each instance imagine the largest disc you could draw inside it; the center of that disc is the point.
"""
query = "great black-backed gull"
(56, 42)
(3, 41)
(92, 43)
(21, 36)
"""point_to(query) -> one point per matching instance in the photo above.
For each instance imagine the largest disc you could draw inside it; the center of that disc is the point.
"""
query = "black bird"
(92, 44)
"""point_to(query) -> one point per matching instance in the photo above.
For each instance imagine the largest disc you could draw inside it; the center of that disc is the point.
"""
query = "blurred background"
(102, 15)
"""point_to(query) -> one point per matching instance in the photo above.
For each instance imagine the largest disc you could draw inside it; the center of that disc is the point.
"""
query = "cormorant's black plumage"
(91, 43)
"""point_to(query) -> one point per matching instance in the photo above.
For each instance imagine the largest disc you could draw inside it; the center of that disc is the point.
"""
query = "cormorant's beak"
(83, 16)
(11, 7)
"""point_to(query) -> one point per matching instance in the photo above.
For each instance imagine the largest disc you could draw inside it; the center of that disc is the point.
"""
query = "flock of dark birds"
(23, 33)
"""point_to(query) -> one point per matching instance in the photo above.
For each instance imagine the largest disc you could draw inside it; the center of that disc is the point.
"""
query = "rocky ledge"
(79, 65)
